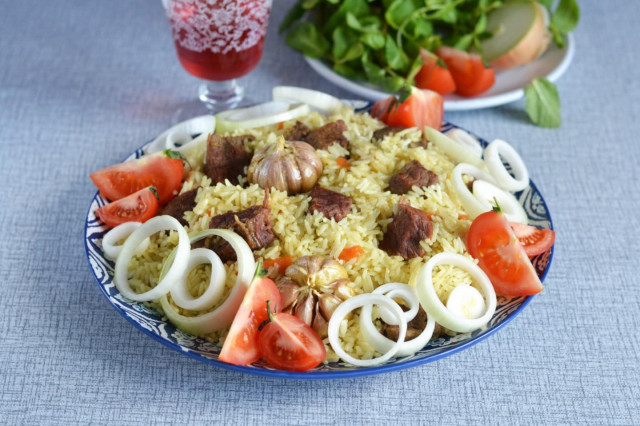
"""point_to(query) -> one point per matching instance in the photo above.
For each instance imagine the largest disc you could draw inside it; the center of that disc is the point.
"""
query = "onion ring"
(356, 302)
(320, 101)
(485, 193)
(223, 315)
(466, 140)
(180, 293)
(380, 342)
(109, 247)
(497, 169)
(173, 274)
(259, 115)
(434, 307)
(471, 204)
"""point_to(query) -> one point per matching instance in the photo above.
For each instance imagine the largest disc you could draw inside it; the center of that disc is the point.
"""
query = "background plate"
(153, 324)
(509, 85)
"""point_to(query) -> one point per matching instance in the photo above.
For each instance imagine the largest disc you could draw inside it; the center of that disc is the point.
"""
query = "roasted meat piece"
(413, 174)
(226, 157)
(404, 233)
(331, 204)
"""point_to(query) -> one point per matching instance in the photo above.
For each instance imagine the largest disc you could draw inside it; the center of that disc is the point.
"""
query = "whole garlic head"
(312, 288)
(293, 167)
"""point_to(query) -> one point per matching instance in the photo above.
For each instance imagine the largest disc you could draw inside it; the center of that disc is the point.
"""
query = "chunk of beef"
(331, 204)
(252, 224)
(414, 327)
(411, 174)
(226, 157)
(325, 136)
(404, 233)
(379, 134)
(180, 204)
(298, 132)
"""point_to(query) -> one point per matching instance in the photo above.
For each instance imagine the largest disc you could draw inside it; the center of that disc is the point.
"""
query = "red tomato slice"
(241, 345)
(137, 207)
(434, 74)
(288, 343)
(469, 72)
(422, 108)
(118, 181)
(534, 240)
(501, 256)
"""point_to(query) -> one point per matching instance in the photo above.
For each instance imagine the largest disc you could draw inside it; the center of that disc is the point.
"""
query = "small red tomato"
(471, 75)
(241, 344)
(137, 207)
(534, 240)
(288, 343)
(421, 108)
(157, 170)
(501, 256)
(434, 74)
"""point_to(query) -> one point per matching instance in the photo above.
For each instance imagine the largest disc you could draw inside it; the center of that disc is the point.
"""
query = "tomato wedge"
(501, 256)
(535, 241)
(288, 343)
(158, 170)
(471, 75)
(241, 344)
(422, 108)
(434, 74)
(137, 207)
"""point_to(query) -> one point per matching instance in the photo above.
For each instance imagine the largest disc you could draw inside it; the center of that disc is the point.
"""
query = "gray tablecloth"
(83, 83)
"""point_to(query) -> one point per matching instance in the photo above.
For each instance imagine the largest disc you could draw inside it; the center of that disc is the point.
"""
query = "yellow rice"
(299, 233)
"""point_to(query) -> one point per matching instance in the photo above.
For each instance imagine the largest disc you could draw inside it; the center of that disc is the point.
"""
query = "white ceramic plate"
(509, 85)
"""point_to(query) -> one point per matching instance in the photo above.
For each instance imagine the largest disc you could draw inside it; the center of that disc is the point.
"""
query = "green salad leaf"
(543, 103)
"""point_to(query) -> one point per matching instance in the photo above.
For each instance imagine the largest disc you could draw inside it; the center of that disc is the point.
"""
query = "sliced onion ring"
(454, 150)
(259, 115)
(471, 204)
(434, 307)
(223, 315)
(173, 274)
(356, 302)
(182, 133)
(485, 193)
(109, 247)
(466, 140)
(380, 342)
(180, 293)
(497, 169)
(320, 101)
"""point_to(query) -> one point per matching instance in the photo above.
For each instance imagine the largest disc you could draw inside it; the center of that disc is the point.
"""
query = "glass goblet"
(218, 41)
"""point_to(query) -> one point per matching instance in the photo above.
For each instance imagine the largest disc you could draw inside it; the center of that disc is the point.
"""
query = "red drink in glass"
(219, 40)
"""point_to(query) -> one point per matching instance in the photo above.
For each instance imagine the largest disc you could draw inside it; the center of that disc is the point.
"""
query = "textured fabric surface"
(83, 83)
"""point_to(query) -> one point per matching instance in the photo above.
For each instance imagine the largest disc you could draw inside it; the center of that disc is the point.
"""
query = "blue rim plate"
(149, 321)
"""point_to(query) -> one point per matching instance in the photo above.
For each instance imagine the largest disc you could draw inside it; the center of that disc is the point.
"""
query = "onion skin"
(534, 44)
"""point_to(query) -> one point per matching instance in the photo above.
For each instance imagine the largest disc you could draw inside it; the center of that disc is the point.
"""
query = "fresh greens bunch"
(380, 40)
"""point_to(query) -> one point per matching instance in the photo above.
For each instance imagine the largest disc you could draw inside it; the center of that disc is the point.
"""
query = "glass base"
(220, 95)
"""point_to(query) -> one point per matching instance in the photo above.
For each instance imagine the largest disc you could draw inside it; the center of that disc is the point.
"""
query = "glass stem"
(220, 95)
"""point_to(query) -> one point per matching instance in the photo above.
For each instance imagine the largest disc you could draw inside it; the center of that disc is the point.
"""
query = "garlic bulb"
(312, 288)
(286, 166)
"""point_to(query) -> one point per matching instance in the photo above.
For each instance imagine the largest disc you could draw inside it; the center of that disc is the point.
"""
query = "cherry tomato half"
(288, 343)
(535, 241)
(158, 170)
(471, 75)
(501, 256)
(241, 344)
(137, 207)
